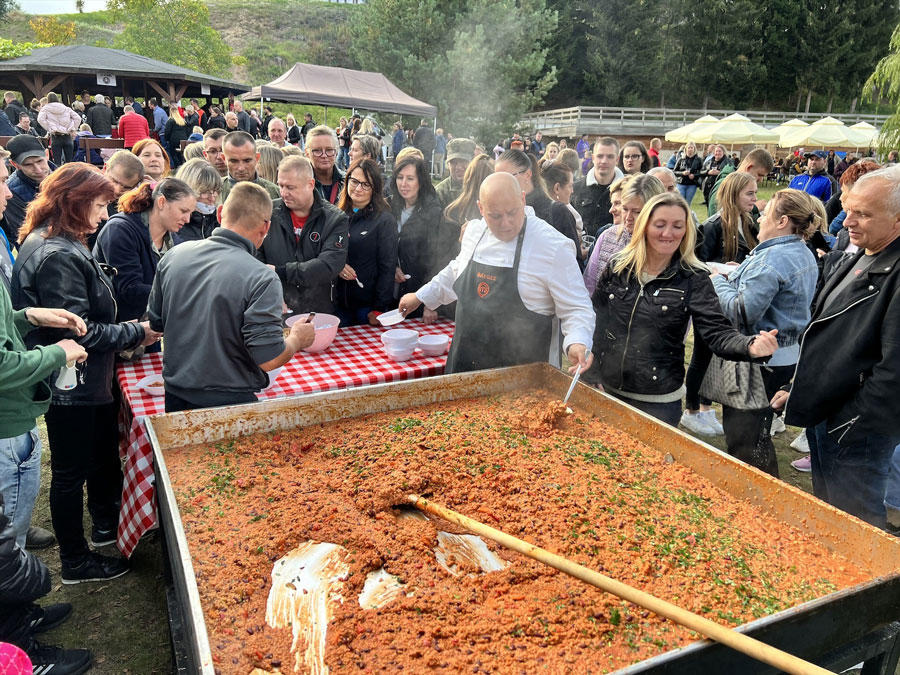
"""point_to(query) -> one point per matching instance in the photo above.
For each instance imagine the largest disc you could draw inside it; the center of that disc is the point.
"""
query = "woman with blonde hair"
(772, 290)
(728, 237)
(269, 159)
(635, 191)
(550, 153)
(465, 207)
(193, 151)
(176, 130)
(293, 129)
(644, 301)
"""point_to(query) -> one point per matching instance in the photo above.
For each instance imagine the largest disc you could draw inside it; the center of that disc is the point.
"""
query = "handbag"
(736, 384)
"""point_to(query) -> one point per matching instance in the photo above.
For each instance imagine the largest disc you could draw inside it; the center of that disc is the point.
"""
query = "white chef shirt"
(549, 280)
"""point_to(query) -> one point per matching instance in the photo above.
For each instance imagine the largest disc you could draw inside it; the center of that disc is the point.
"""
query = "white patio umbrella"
(824, 133)
(790, 125)
(734, 129)
(684, 134)
(866, 131)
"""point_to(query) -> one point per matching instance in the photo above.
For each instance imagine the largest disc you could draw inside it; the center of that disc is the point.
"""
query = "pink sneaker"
(803, 464)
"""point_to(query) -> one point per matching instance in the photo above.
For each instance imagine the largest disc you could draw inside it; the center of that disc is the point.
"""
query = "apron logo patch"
(483, 289)
(314, 237)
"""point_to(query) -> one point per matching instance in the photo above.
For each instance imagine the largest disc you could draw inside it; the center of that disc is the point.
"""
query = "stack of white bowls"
(400, 343)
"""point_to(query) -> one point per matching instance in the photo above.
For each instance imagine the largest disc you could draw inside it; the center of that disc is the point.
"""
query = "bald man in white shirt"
(513, 275)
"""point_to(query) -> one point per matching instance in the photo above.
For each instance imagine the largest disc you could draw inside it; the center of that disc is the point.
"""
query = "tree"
(885, 83)
(469, 58)
(624, 64)
(175, 31)
(7, 6)
(52, 31)
(79, 5)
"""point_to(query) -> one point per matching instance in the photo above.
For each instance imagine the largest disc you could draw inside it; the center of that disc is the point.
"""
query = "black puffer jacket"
(711, 246)
(373, 256)
(23, 578)
(60, 272)
(420, 240)
(307, 265)
(640, 332)
(690, 165)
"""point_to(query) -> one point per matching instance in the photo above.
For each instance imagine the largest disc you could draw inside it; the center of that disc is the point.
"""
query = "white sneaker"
(709, 417)
(696, 424)
(777, 425)
(801, 443)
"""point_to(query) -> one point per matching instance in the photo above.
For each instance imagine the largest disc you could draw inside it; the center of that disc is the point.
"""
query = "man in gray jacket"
(221, 309)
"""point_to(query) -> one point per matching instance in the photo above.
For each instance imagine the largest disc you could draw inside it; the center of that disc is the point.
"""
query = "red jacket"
(133, 127)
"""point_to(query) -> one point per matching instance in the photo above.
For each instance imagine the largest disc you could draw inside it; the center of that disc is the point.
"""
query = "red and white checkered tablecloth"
(355, 358)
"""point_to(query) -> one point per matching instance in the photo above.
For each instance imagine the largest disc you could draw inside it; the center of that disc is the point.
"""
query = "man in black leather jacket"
(852, 339)
(24, 579)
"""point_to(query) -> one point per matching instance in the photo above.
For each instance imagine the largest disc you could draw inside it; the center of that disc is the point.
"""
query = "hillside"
(270, 35)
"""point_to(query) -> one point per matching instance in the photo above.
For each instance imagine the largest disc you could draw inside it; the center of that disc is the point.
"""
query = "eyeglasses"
(359, 185)
(209, 194)
(121, 184)
(632, 157)
(324, 152)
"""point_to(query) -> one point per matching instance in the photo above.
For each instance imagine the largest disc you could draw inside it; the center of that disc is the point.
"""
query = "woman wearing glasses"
(365, 286)
(321, 149)
(634, 158)
(203, 179)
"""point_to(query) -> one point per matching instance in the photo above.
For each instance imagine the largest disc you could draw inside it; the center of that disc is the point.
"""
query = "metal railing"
(656, 119)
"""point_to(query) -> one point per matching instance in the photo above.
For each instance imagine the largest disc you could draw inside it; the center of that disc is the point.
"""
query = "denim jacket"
(777, 281)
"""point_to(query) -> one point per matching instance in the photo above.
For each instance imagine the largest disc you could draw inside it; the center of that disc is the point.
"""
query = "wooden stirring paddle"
(738, 641)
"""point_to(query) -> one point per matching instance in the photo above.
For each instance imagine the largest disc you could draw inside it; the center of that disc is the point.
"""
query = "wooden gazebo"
(69, 70)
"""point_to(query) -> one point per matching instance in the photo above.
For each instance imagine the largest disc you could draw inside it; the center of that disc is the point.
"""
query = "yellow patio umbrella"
(684, 134)
(824, 133)
(790, 125)
(734, 129)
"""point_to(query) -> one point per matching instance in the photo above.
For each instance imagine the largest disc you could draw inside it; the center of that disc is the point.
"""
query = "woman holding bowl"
(644, 300)
(55, 269)
(775, 285)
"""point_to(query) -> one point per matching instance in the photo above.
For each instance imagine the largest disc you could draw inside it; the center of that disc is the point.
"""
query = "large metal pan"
(810, 630)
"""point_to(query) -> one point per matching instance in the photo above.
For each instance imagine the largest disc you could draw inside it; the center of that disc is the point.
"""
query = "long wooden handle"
(738, 641)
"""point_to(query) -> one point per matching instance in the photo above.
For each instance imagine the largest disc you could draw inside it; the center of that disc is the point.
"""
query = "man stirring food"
(513, 275)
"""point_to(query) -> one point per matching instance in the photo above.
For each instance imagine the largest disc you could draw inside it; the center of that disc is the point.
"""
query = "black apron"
(494, 329)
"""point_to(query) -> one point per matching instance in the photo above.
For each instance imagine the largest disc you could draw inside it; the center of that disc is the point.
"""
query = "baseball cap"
(23, 146)
(461, 148)
(821, 154)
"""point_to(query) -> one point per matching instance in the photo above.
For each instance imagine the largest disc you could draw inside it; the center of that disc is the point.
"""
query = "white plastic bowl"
(433, 345)
(400, 338)
(326, 328)
(145, 384)
(400, 354)
(391, 318)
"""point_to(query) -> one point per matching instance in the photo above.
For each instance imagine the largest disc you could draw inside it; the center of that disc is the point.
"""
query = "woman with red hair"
(154, 158)
(55, 269)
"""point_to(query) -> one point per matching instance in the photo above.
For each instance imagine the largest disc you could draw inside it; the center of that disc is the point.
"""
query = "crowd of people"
(535, 256)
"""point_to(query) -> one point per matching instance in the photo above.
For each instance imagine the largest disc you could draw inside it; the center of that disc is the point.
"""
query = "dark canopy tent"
(68, 70)
(340, 87)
